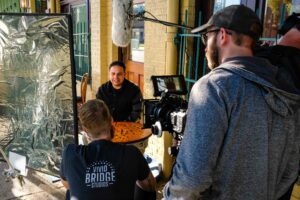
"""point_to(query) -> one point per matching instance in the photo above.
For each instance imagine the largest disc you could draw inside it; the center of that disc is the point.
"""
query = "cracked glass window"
(37, 107)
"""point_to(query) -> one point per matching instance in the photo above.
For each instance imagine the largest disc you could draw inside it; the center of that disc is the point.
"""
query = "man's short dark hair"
(238, 39)
(117, 63)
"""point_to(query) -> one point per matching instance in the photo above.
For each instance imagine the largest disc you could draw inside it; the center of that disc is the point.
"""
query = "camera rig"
(167, 113)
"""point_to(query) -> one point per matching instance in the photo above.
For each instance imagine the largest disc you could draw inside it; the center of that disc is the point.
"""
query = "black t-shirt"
(103, 170)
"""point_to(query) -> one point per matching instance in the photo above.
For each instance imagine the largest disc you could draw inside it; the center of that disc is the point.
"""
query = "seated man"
(123, 98)
(103, 169)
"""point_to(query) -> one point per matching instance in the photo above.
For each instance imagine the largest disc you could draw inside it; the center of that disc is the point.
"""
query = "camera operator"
(241, 139)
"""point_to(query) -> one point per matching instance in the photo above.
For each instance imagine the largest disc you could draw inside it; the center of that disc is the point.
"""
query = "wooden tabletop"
(130, 132)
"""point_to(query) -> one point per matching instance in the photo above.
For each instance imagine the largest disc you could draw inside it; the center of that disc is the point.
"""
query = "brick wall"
(155, 64)
(95, 42)
(103, 52)
(161, 59)
(155, 44)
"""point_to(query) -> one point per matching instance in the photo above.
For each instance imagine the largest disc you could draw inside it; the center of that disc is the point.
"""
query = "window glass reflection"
(137, 37)
(275, 13)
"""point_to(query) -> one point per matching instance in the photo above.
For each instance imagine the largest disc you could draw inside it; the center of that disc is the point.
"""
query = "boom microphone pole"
(123, 17)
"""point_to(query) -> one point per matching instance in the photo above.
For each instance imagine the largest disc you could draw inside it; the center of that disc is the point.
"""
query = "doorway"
(134, 59)
(79, 11)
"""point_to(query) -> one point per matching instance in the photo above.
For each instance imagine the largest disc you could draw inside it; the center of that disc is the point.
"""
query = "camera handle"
(174, 148)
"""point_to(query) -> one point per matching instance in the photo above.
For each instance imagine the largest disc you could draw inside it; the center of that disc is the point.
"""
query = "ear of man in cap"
(238, 18)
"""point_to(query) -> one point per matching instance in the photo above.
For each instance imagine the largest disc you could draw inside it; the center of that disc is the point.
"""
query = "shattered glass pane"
(36, 104)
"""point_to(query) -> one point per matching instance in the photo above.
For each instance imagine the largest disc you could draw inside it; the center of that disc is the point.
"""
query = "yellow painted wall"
(161, 58)
(188, 7)
(155, 64)
(296, 191)
(103, 52)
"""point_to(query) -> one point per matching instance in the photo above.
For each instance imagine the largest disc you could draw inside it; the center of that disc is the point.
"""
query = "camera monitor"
(174, 84)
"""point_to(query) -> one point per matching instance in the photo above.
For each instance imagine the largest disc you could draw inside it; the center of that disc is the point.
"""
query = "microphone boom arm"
(164, 22)
(141, 16)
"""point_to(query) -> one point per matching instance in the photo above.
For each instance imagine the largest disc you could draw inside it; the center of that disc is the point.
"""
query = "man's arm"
(65, 183)
(136, 106)
(146, 189)
(148, 184)
(145, 184)
(204, 132)
(99, 94)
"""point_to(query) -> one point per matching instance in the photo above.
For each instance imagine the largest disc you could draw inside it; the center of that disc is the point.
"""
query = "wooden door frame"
(134, 70)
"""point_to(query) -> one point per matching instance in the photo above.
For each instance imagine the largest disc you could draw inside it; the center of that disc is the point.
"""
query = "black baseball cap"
(238, 18)
(289, 23)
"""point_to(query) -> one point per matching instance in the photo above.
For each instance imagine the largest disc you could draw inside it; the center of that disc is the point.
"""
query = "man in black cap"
(241, 138)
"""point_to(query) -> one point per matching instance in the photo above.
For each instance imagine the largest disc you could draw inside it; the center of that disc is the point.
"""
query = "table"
(130, 132)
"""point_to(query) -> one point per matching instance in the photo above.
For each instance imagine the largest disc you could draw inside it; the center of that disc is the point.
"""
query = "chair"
(83, 87)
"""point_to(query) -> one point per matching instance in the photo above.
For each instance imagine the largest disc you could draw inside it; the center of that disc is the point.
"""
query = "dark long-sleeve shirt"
(286, 58)
(125, 104)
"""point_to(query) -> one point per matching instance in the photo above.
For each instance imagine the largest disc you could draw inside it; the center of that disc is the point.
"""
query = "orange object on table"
(130, 132)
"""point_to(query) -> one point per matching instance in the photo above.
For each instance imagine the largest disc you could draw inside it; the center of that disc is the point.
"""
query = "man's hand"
(65, 183)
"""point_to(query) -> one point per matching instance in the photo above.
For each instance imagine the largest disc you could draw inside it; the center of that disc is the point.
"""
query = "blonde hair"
(95, 117)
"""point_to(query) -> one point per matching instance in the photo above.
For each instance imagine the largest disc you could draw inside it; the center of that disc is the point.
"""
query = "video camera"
(169, 112)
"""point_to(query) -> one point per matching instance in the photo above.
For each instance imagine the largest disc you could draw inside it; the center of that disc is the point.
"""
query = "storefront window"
(137, 37)
(219, 4)
(275, 13)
